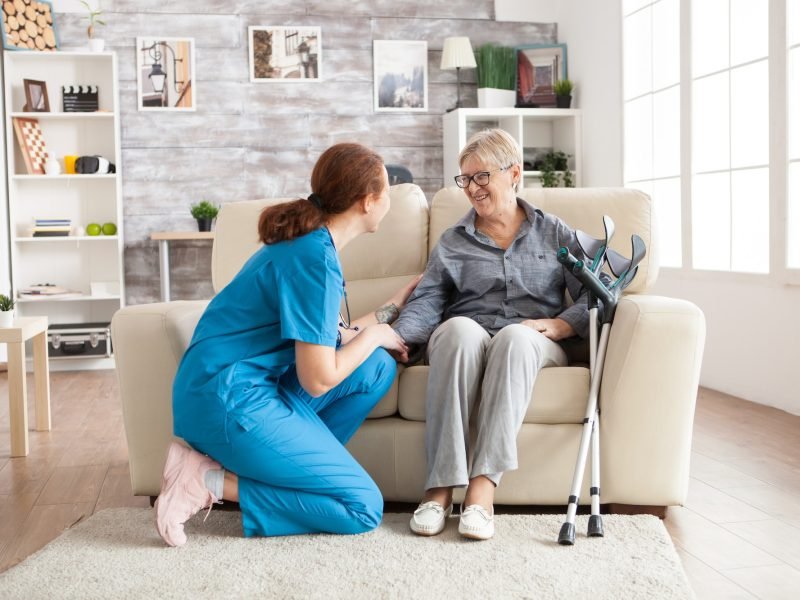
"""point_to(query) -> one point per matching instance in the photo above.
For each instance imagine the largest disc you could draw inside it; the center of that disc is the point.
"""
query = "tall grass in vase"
(495, 76)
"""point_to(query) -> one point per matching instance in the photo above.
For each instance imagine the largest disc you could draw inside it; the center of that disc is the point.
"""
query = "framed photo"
(165, 73)
(401, 75)
(539, 66)
(285, 54)
(29, 26)
(35, 96)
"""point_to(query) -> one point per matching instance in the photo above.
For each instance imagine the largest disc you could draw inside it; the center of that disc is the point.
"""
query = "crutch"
(625, 270)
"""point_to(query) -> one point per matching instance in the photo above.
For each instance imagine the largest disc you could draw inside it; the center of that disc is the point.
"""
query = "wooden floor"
(738, 535)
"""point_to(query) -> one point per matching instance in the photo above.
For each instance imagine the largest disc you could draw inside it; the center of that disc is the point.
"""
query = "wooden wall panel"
(257, 140)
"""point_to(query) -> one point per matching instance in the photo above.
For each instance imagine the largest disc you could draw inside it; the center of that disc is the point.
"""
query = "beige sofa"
(649, 382)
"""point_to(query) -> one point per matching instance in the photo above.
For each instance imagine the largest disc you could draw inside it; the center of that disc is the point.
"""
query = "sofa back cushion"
(394, 254)
(580, 208)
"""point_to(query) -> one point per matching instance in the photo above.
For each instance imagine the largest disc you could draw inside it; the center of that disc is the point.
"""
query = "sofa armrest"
(149, 341)
(647, 398)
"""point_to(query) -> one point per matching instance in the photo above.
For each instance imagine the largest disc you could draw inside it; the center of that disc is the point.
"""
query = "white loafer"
(476, 523)
(430, 518)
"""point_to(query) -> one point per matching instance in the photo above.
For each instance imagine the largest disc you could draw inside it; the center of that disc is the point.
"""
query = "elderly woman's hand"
(401, 296)
(554, 329)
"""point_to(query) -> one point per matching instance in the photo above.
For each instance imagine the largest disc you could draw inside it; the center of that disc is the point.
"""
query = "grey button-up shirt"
(469, 275)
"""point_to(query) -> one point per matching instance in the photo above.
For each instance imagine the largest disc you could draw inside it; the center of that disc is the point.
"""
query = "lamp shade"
(457, 52)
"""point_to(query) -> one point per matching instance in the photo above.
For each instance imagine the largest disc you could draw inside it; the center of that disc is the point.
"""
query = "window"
(793, 85)
(722, 122)
(651, 37)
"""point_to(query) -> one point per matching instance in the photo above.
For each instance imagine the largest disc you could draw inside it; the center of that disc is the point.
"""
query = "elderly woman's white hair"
(494, 148)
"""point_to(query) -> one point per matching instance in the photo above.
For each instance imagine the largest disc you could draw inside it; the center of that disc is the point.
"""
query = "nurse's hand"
(387, 338)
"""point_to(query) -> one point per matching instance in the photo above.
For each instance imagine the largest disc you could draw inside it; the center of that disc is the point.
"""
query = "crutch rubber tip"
(566, 537)
(595, 526)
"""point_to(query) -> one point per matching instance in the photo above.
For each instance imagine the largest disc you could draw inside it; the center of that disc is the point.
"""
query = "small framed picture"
(401, 75)
(539, 66)
(35, 96)
(165, 73)
(285, 54)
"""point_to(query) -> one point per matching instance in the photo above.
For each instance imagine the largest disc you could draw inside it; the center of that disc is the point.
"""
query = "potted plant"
(205, 213)
(563, 91)
(6, 311)
(95, 44)
(554, 169)
(495, 76)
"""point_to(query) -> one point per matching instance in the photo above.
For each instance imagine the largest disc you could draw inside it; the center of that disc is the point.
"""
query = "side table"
(163, 238)
(15, 336)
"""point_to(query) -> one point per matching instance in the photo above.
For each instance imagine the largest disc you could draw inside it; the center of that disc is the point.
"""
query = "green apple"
(109, 229)
(93, 229)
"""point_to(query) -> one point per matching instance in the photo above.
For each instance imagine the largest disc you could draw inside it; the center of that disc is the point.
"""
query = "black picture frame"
(36, 99)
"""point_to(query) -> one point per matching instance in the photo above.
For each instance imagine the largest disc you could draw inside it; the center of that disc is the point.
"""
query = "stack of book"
(42, 291)
(51, 227)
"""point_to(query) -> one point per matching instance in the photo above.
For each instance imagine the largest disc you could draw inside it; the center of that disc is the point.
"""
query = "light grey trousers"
(467, 365)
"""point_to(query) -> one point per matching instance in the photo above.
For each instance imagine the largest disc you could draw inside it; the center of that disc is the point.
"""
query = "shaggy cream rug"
(117, 554)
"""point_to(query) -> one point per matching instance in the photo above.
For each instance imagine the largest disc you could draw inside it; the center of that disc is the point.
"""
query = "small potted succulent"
(6, 311)
(93, 16)
(205, 213)
(563, 91)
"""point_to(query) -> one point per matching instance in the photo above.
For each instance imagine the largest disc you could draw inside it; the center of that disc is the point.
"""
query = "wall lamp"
(157, 75)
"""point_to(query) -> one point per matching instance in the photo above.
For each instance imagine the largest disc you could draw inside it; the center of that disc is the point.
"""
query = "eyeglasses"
(481, 177)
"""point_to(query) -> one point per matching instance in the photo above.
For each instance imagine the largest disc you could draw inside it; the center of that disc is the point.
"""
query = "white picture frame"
(403, 62)
(286, 54)
(175, 58)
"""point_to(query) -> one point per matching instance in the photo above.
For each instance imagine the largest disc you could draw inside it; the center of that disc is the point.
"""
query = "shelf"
(67, 299)
(67, 238)
(63, 176)
(62, 54)
(64, 115)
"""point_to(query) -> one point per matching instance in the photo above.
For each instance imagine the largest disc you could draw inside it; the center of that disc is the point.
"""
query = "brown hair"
(344, 174)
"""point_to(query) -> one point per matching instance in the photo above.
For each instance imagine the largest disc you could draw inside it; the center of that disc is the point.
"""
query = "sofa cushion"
(559, 395)
(581, 208)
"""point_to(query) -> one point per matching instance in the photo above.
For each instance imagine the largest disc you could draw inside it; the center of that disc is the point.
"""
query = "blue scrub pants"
(295, 475)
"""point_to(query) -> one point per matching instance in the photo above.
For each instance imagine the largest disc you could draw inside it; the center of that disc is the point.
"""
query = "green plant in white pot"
(93, 16)
(6, 311)
(495, 76)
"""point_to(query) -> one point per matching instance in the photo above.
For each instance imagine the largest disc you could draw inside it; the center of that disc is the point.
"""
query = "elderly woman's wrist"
(387, 313)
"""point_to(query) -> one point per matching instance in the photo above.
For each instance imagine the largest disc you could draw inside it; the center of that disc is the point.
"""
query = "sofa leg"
(637, 509)
(153, 501)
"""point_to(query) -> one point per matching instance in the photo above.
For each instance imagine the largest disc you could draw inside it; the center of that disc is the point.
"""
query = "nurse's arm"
(322, 368)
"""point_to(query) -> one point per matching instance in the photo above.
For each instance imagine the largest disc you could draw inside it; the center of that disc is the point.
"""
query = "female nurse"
(276, 380)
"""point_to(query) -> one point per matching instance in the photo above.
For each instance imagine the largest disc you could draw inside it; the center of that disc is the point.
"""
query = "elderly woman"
(491, 307)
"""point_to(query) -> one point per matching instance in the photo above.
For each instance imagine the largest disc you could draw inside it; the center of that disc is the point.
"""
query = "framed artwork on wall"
(286, 54)
(29, 25)
(165, 73)
(539, 66)
(400, 75)
(35, 96)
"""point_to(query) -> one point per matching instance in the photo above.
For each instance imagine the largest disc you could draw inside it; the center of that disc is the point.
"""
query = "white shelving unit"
(76, 261)
(554, 128)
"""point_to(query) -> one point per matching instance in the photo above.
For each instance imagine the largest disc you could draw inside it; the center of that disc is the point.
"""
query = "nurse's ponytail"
(344, 174)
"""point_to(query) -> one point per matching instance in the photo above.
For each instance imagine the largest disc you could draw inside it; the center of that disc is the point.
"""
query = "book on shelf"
(50, 233)
(47, 290)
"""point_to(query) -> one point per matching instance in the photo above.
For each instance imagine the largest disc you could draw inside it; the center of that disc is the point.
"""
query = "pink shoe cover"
(183, 492)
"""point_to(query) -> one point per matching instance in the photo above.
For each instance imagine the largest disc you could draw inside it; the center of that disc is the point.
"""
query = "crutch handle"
(586, 277)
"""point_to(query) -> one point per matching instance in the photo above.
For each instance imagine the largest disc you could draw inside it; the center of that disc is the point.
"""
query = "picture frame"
(287, 54)
(400, 79)
(538, 67)
(32, 34)
(165, 74)
(36, 99)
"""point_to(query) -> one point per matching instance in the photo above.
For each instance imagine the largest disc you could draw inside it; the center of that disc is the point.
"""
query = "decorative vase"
(52, 166)
(563, 101)
(96, 44)
(6, 318)
(496, 98)
(204, 224)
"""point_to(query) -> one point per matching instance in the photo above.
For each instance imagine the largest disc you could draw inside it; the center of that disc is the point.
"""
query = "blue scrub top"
(245, 339)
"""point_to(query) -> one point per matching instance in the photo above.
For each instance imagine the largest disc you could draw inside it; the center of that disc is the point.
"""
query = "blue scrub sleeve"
(309, 302)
